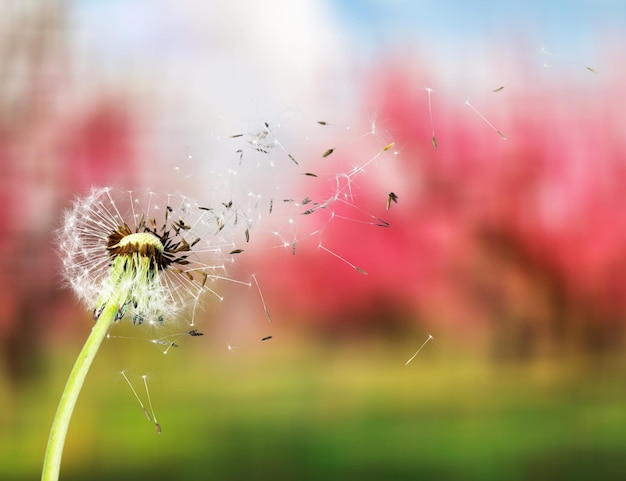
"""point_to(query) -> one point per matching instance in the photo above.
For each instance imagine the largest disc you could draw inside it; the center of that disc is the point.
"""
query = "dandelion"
(137, 252)
(137, 256)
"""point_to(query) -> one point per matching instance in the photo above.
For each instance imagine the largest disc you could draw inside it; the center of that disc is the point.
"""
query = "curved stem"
(56, 440)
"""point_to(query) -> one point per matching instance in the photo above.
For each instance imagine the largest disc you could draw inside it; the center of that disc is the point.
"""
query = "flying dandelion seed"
(143, 253)
(141, 404)
(430, 115)
(484, 119)
(429, 338)
(267, 313)
(157, 426)
(391, 197)
(328, 152)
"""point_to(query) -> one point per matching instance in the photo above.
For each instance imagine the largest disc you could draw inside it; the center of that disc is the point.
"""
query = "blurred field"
(309, 410)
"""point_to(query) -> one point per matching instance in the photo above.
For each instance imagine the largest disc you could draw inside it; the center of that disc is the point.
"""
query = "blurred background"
(505, 245)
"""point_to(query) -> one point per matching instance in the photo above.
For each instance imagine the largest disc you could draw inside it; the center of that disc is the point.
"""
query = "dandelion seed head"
(151, 255)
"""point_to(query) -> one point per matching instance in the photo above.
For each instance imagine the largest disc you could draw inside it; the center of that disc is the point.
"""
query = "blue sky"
(561, 23)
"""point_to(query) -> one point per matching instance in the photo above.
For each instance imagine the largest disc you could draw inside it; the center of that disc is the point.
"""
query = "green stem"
(56, 440)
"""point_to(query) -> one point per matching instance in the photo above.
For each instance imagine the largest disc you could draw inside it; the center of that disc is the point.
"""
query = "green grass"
(303, 411)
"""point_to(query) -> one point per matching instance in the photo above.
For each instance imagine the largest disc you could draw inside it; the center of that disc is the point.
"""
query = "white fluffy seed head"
(151, 255)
